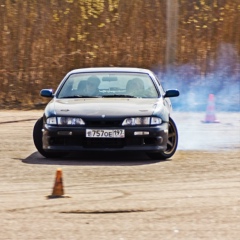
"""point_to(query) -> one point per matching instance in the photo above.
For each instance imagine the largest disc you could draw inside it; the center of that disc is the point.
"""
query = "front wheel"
(172, 143)
(37, 139)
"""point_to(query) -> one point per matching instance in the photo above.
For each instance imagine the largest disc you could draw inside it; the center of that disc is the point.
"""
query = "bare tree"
(172, 30)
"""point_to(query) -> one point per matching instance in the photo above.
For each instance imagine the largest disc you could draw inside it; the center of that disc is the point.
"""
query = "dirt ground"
(194, 195)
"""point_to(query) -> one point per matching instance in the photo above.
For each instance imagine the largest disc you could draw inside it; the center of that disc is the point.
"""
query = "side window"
(162, 92)
(66, 89)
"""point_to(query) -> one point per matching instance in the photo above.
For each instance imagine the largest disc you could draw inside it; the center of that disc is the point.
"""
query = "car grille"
(103, 123)
(95, 142)
(103, 143)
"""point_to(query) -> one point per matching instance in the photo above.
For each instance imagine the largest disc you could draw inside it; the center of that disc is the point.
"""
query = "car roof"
(111, 69)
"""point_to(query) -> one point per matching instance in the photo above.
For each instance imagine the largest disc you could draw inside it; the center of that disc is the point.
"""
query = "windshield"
(108, 84)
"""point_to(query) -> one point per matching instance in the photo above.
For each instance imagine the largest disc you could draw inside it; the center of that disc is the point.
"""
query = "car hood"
(112, 107)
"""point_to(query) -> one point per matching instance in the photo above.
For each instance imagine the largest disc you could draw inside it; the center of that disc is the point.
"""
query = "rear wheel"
(172, 143)
(37, 139)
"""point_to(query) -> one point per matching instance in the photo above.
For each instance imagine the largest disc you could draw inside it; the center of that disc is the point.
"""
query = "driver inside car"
(135, 87)
(92, 86)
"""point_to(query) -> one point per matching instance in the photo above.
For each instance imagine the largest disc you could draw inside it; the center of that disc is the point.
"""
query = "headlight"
(156, 121)
(52, 121)
(142, 121)
(70, 121)
(65, 121)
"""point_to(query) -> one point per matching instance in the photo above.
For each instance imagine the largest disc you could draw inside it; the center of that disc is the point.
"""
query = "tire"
(172, 143)
(37, 139)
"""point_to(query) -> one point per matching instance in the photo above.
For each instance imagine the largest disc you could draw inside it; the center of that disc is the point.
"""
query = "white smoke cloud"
(223, 80)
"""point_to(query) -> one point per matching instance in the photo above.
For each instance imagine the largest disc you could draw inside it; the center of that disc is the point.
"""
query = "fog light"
(159, 140)
(140, 133)
(64, 133)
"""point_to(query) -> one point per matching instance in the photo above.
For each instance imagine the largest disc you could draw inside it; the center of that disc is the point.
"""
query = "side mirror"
(171, 93)
(46, 93)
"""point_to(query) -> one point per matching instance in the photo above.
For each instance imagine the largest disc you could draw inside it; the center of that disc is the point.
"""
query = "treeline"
(41, 40)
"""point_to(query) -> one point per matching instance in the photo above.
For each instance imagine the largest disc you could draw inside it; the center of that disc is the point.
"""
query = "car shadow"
(94, 159)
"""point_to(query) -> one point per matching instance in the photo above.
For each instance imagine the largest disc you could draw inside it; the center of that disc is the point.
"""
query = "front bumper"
(69, 139)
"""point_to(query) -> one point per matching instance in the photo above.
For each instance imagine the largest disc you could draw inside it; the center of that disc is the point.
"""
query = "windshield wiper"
(81, 96)
(118, 96)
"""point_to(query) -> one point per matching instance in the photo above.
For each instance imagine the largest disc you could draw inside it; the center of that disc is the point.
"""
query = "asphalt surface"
(194, 195)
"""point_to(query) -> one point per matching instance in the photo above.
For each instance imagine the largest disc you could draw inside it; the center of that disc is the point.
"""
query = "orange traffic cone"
(58, 186)
(210, 114)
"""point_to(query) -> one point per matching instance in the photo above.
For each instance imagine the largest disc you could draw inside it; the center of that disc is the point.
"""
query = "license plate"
(105, 133)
